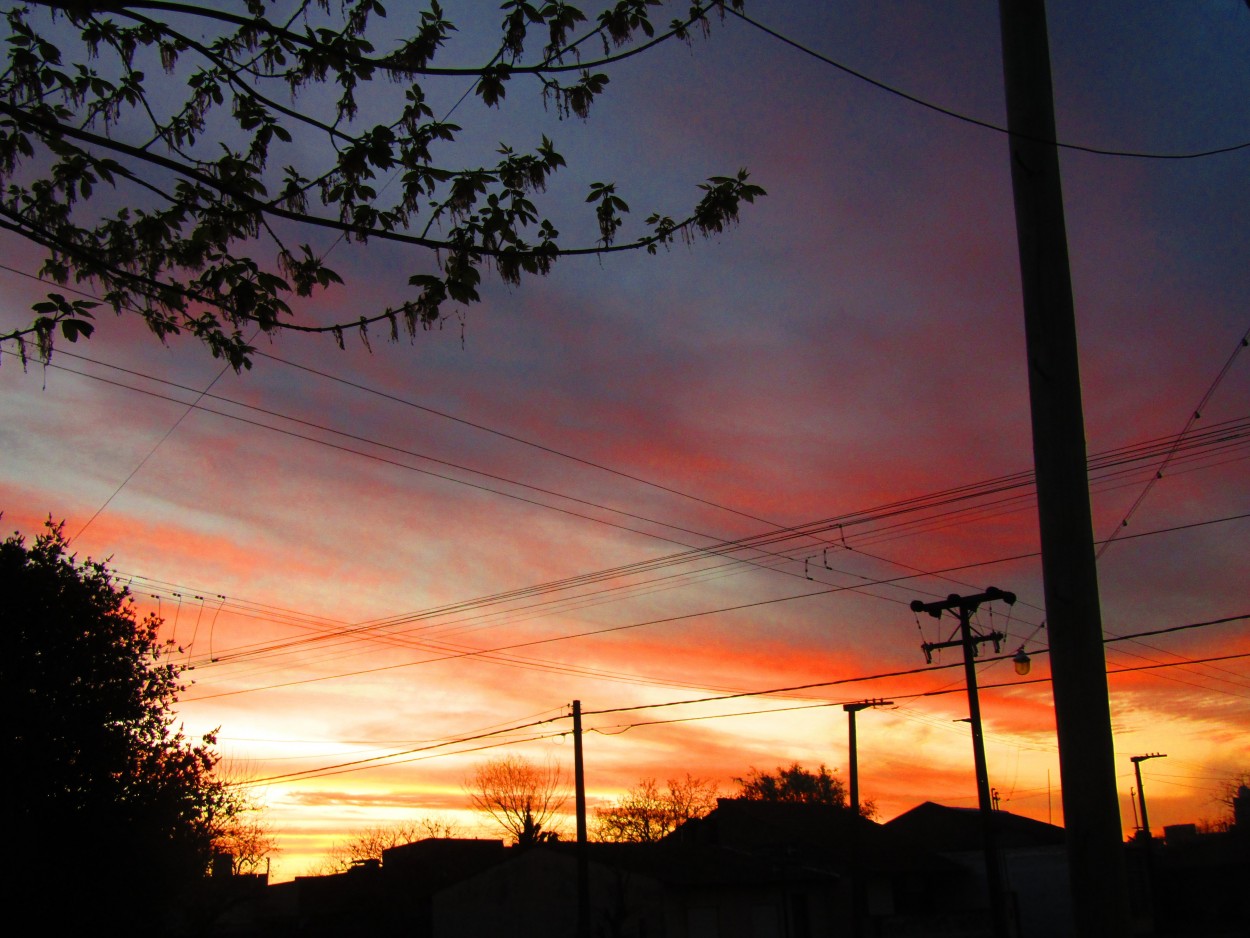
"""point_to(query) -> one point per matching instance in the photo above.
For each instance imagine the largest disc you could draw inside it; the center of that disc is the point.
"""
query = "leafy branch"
(212, 184)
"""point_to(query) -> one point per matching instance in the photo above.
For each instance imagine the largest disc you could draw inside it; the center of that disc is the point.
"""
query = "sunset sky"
(398, 554)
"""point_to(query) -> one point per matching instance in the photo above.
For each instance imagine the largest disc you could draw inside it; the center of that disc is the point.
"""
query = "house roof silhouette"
(838, 837)
(938, 827)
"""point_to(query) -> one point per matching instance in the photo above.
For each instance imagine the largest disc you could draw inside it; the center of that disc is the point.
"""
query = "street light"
(1022, 662)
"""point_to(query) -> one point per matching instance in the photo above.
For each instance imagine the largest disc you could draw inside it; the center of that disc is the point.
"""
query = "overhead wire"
(974, 121)
(841, 530)
(296, 645)
(762, 564)
(346, 449)
(426, 751)
(502, 434)
(1194, 416)
(407, 402)
(150, 453)
(899, 579)
(944, 691)
(1225, 620)
(523, 644)
(559, 638)
(372, 760)
(593, 632)
(1173, 450)
(465, 422)
(738, 559)
(1172, 453)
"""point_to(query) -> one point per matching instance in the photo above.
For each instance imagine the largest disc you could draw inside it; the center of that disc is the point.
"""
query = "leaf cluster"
(181, 162)
(794, 783)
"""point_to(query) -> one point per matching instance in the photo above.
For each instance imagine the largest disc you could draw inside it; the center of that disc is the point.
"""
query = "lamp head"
(1022, 662)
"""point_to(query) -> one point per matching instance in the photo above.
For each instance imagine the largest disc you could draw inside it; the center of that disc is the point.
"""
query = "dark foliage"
(797, 784)
(112, 811)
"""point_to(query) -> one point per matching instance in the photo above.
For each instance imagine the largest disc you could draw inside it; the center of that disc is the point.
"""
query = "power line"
(917, 670)
(491, 654)
(502, 434)
(585, 634)
(482, 652)
(407, 752)
(1194, 416)
(1173, 450)
(474, 653)
(607, 575)
(976, 122)
(201, 394)
(373, 456)
(1171, 454)
(352, 451)
(431, 751)
(433, 411)
(396, 758)
(421, 407)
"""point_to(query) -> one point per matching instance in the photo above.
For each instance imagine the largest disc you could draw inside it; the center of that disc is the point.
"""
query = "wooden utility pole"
(1147, 906)
(859, 899)
(1091, 811)
(964, 607)
(583, 860)
(1141, 792)
(852, 709)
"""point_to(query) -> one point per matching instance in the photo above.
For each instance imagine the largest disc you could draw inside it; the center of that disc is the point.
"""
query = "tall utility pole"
(583, 860)
(964, 607)
(1147, 842)
(1091, 810)
(1141, 792)
(852, 709)
(859, 899)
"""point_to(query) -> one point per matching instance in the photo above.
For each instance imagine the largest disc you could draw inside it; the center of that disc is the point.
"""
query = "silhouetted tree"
(112, 807)
(247, 839)
(646, 814)
(242, 833)
(522, 798)
(185, 197)
(798, 784)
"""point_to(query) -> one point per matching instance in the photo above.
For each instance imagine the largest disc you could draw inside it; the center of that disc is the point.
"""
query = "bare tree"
(248, 840)
(244, 834)
(520, 797)
(368, 843)
(646, 814)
